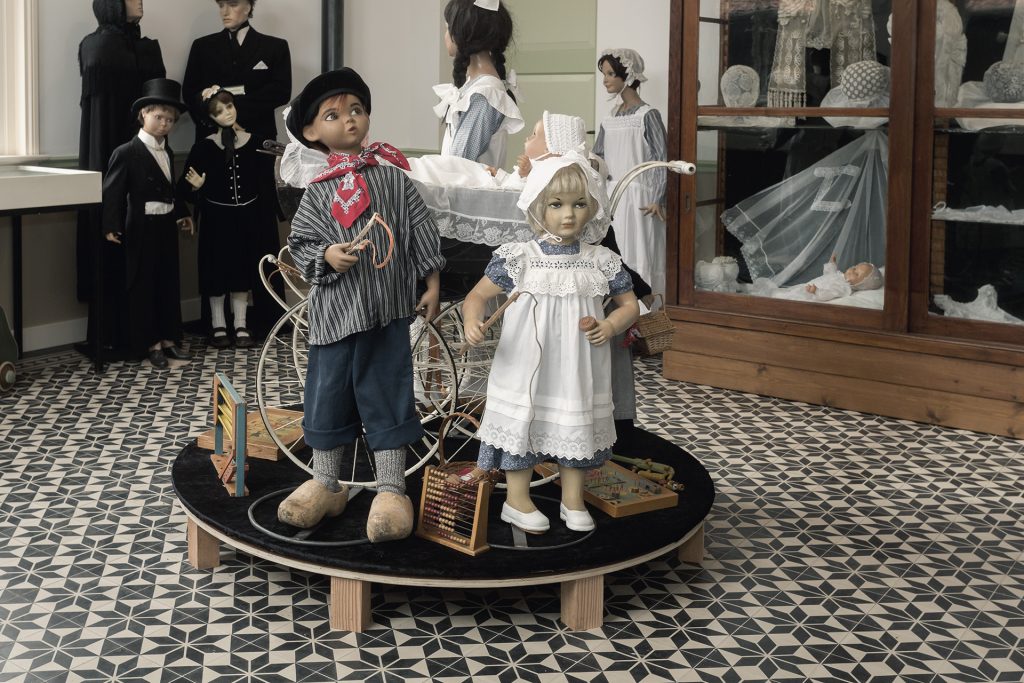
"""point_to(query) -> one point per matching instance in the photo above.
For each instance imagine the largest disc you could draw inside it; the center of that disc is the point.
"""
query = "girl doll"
(633, 134)
(226, 178)
(478, 111)
(549, 392)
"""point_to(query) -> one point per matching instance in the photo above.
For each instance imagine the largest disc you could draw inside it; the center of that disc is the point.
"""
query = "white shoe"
(532, 522)
(577, 520)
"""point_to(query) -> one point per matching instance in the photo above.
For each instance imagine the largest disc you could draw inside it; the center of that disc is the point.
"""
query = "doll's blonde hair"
(569, 180)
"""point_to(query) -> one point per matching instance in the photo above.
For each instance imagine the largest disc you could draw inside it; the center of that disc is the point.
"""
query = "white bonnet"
(631, 61)
(740, 86)
(564, 133)
(544, 170)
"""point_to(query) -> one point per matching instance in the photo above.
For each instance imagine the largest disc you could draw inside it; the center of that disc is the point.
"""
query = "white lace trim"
(579, 444)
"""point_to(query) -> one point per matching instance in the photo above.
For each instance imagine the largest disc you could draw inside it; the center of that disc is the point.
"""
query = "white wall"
(394, 45)
(175, 23)
(642, 25)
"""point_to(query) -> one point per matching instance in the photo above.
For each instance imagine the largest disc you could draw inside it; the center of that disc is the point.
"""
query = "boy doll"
(140, 212)
(359, 375)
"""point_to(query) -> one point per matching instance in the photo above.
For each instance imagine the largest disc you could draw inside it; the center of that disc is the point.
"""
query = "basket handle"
(657, 299)
(443, 430)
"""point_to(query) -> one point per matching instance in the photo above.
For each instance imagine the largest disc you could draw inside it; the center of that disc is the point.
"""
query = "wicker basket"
(654, 331)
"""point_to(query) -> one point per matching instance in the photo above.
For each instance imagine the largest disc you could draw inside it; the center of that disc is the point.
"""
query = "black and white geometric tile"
(842, 547)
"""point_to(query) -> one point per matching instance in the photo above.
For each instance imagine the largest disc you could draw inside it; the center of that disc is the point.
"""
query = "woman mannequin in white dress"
(633, 134)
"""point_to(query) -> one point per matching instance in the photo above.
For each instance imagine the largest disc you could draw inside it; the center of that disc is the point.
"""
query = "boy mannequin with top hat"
(359, 378)
(141, 214)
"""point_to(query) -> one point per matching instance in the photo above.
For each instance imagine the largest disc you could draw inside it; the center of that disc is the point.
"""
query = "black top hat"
(159, 91)
(323, 87)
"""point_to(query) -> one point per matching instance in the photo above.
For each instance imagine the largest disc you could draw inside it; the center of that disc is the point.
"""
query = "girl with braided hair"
(478, 107)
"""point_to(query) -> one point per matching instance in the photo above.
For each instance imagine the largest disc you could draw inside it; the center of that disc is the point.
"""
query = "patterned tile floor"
(842, 547)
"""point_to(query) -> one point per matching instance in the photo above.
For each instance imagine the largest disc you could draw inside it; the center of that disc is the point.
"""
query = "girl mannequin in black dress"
(225, 176)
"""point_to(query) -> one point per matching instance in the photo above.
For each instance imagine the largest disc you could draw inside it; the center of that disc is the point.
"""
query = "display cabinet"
(854, 235)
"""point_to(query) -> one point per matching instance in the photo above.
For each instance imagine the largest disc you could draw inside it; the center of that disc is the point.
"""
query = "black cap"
(159, 91)
(344, 81)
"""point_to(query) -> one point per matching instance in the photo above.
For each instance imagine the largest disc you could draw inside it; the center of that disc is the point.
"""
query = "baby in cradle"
(834, 284)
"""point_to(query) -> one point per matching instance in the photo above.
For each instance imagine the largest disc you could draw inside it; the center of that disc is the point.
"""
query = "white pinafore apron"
(549, 389)
(455, 101)
(641, 238)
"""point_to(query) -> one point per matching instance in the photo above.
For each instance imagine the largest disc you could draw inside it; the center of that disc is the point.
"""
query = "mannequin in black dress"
(114, 61)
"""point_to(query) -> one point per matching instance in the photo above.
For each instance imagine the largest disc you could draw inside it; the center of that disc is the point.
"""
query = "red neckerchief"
(353, 196)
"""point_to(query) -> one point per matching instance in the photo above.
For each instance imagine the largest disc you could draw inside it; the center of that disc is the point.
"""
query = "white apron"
(455, 101)
(641, 238)
(549, 389)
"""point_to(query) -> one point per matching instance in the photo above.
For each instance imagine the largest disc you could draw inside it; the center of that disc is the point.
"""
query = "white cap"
(544, 170)
(630, 60)
(564, 133)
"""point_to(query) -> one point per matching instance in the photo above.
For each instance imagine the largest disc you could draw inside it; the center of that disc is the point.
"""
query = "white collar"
(151, 141)
(242, 33)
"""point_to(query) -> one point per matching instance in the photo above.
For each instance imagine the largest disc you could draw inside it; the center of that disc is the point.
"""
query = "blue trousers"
(362, 381)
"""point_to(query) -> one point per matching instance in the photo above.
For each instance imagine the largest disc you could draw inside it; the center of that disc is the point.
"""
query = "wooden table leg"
(583, 603)
(692, 550)
(350, 604)
(203, 548)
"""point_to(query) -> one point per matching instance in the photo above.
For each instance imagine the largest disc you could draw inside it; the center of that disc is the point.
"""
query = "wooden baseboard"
(952, 392)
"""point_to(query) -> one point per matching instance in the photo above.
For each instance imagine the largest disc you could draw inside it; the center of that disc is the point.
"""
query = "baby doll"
(231, 184)
(834, 284)
(141, 212)
(552, 135)
(633, 134)
(359, 376)
(549, 392)
(479, 113)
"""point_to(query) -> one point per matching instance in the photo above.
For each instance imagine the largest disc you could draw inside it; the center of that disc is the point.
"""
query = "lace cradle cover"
(549, 389)
(836, 207)
(470, 205)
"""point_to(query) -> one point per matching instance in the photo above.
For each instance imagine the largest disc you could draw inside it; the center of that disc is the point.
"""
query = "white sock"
(217, 312)
(239, 302)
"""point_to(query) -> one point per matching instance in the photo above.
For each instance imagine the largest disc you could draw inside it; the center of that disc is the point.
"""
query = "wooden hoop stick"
(490, 321)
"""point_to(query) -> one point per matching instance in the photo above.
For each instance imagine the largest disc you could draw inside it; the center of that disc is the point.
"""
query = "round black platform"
(614, 542)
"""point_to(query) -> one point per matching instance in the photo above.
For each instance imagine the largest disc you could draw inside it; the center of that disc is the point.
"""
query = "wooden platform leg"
(350, 605)
(583, 603)
(692, 550)
(203, 549)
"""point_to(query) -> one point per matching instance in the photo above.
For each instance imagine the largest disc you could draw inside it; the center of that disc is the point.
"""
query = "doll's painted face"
(233, 13)
(565, 215)
(340, 125)
(158, 120)
(856, 274)
(536, 145)
(224, 114)
(611, 82)
(133, 10)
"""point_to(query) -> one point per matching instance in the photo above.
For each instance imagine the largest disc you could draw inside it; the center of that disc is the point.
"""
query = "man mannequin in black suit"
(256, 68)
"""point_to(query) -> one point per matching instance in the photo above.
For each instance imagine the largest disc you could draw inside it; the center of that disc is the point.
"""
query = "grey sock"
(390, 471)
(327, 466)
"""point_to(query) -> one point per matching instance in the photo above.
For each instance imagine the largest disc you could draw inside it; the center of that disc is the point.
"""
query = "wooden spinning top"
(588, 323)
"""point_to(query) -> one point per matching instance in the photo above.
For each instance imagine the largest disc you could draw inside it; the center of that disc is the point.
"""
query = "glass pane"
(778, 196)
(977, 231)
(754, 54)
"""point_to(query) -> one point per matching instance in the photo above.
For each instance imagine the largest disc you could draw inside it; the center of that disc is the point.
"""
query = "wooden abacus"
(453, 505)
(229, 425)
